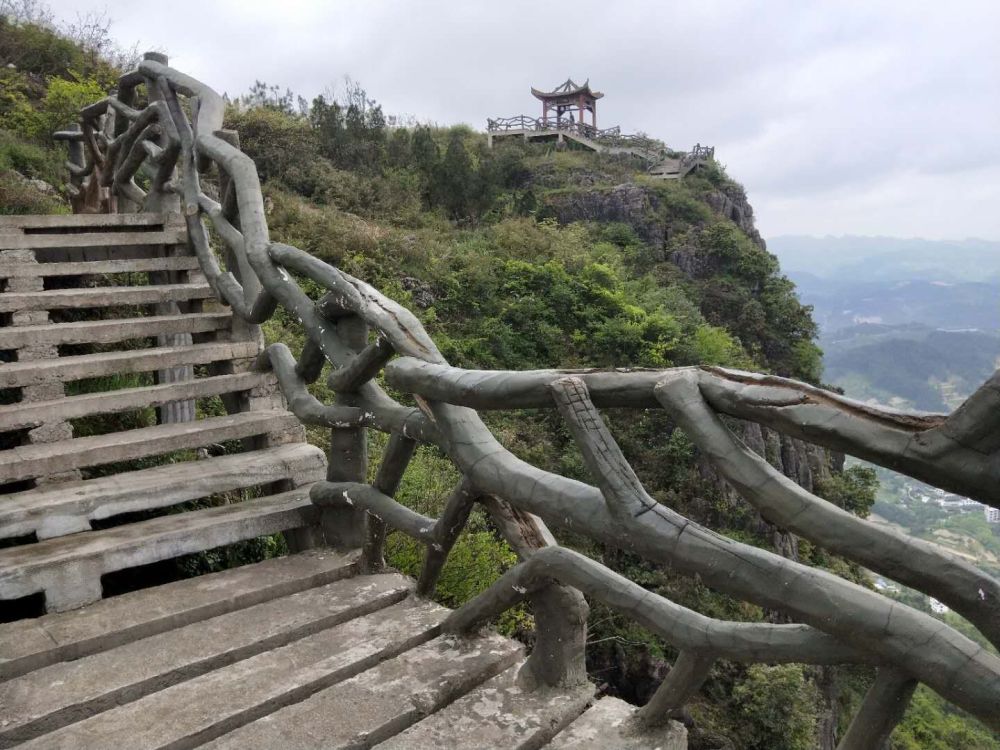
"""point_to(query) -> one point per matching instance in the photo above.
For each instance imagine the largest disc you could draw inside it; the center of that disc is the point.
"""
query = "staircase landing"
(294, 652)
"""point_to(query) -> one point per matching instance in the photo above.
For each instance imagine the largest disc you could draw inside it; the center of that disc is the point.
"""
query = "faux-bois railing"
(177, 137)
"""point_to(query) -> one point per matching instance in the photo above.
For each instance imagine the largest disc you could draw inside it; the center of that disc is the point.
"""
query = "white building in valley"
(937, 607)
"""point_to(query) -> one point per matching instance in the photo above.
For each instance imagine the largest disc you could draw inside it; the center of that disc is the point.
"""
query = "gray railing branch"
(685, 678)
(680, 626)
(881, 710)
(396, 458)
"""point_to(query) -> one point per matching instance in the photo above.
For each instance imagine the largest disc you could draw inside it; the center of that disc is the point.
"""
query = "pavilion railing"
(176, 139)
(638, 143)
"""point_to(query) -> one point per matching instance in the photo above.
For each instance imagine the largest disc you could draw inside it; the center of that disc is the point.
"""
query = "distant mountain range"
(909, 366)
(844, 302)
(910, 323)
(888, 259)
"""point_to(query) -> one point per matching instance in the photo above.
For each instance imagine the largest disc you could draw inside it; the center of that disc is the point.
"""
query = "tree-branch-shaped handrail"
(839, 622)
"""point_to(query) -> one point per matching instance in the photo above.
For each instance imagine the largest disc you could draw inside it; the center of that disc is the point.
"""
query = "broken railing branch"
(311, 362)
(786, 504)
(926, 447)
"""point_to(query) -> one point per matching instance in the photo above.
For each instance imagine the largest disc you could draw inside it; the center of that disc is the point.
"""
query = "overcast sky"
(838, 117)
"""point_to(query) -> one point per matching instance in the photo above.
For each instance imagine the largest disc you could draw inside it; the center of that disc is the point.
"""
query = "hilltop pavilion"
(569, 99)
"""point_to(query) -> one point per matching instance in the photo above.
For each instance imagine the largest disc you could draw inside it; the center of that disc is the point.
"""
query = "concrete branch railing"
(176, 139)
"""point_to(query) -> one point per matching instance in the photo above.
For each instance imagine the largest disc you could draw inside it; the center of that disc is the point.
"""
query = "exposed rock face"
(731, 202)
(422, 294)
(692, 261)
(35, 184)
(627, 203)
(639, 207)
(802, 462)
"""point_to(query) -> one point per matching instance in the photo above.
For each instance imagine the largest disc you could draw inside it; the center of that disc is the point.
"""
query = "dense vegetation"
(522, 257)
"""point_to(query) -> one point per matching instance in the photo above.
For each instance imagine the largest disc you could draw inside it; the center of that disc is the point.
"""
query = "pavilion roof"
(569, 88)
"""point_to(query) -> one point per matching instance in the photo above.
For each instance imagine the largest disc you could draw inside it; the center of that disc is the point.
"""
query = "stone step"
(66, 508)
(46, 459)
(64, 693)
(68, 222)
(499, 713)
(165, 235)
(26, 645)
(103, 296)
(66, 369)
(68, 569)
(610, 723)
(205, 707)
(97, 267)
(382, 701)
(111, 331)
(31, 414)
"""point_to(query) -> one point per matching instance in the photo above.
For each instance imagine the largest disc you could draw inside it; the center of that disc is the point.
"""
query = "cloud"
(863, 117)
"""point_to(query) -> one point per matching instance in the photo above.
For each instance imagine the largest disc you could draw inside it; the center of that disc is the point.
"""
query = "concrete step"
(26, 645)
(31, 414)
(65, 508)
(112, 331)
(382, 701)
(46, 459)
(103, 296)
(198, 710)
(64, 693)
(160, 235)
(83, 222)
(499, 713)
(9, 270)
(66, 369)
(68, 569)
(610, 723)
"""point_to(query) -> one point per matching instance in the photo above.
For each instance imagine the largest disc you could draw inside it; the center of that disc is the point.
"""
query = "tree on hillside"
(456, 181)
(351, 132)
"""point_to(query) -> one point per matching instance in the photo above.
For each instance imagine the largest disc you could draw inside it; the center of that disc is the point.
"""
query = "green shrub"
(58, 108)
(777, 707)
(19, 197)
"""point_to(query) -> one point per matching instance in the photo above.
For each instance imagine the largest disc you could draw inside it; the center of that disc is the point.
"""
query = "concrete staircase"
(110, 315)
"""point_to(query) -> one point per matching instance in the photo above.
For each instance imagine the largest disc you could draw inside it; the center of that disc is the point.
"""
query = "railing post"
(390, 473)
(880, 712)
(558, 658)
(684, 679)
(345, 527)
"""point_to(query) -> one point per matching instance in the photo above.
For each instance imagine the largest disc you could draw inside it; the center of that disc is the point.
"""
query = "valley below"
(913, 325)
